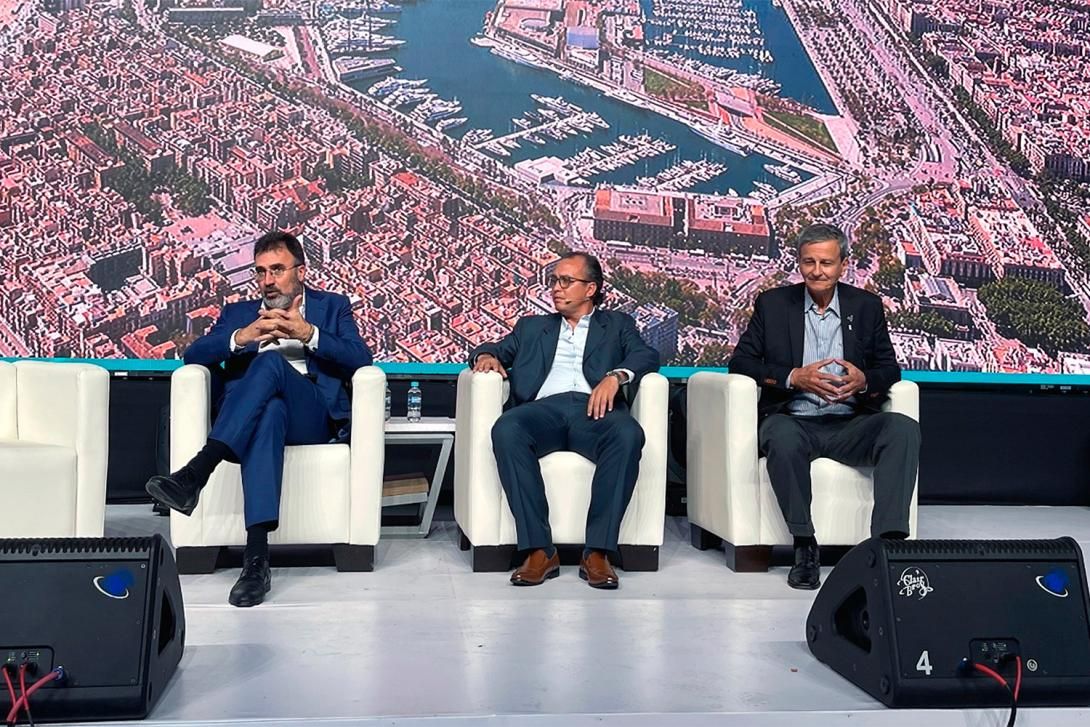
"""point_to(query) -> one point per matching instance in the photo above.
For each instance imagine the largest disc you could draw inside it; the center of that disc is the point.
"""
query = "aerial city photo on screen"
(436, 157)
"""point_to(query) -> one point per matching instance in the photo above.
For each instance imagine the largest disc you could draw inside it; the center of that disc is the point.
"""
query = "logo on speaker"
(1054, 583)
(114, 585)
(913, 582)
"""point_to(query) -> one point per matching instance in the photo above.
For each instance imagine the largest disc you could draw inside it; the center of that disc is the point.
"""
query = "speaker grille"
(1058, 548)
(73, 546)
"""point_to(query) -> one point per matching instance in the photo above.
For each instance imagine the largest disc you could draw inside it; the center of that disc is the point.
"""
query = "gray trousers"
(886, 441)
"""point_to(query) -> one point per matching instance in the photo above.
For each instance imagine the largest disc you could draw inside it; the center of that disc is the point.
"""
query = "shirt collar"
(808, 303)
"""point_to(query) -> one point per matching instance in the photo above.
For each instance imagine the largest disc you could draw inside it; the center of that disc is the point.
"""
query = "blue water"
(493, 90)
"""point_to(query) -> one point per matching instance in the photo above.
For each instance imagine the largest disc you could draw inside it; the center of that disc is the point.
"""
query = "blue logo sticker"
(1054, 583)
(114, 585)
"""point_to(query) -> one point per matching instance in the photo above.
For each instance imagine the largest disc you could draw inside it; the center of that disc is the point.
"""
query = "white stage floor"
(423, 639)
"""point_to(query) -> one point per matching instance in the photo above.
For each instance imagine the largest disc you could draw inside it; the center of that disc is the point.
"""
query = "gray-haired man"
(820, 351)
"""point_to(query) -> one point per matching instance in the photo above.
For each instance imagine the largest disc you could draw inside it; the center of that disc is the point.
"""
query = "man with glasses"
(287, 359)
(566, 372)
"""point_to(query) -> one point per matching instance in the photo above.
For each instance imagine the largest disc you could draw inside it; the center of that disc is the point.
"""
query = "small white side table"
(429, 430)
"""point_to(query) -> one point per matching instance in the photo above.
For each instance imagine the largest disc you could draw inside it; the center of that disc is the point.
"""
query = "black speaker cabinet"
(904, 620)
(107, 611)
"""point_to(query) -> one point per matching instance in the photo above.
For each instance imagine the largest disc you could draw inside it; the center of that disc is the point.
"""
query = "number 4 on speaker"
(924, 664)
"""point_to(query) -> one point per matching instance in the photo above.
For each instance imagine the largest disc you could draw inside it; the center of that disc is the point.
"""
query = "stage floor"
(423, 639)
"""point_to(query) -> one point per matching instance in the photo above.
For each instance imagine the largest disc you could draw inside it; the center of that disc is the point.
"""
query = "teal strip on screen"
(672, 372)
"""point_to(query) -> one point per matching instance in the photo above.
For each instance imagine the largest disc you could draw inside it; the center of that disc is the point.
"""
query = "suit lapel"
(549, 336)
(316, 315)
(595, 336)
(794, 326)
(847, 322)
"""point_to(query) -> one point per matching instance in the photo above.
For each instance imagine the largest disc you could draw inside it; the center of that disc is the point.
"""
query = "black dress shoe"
(252, 584)
(806, 574)
(178, 490)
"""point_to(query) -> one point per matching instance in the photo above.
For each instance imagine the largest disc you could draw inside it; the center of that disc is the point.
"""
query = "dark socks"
(588, 551)
(893, 535)
(801, 541)
(206, 460)
(257, 541)
(550, 551)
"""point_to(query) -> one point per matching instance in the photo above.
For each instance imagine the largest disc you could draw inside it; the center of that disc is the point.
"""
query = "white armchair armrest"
(723, 486)
(368, 451)
(68, 404)
(643, 521)
(478, 406)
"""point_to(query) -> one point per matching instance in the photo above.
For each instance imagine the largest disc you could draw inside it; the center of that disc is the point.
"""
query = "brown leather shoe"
(596, 571)
(536, 569)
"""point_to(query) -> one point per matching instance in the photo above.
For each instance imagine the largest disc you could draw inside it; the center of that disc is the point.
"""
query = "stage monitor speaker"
(904, 620)
(107, 612)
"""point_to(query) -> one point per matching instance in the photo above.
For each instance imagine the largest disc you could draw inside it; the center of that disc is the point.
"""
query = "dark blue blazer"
(340, 349)
(773, 343)
(528, 351)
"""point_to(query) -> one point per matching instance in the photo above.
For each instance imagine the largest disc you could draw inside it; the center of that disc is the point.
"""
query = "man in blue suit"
(286, 359)
(566, 372)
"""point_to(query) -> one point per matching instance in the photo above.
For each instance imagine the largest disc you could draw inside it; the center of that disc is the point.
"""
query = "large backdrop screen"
(435, 157)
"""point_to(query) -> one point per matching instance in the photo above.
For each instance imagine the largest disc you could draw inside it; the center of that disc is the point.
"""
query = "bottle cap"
(415, 383)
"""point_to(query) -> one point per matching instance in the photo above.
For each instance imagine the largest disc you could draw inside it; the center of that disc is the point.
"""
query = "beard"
(281, 301)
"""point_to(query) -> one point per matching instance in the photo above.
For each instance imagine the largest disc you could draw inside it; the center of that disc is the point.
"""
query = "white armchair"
(331, 495)
(730, 497)
(54, 424)
(480, 504)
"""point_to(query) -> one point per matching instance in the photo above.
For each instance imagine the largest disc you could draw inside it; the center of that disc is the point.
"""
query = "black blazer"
(528, 351)
(340, 349)
(773, 342)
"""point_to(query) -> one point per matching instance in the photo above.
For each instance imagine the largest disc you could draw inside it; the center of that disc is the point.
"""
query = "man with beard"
(566, 372)
(287, 359)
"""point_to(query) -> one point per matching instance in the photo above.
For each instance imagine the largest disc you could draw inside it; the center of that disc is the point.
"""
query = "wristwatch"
(621, 376)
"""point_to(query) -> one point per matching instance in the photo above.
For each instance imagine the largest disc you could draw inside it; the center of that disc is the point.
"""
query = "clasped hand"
(274, 324)
(831, 387)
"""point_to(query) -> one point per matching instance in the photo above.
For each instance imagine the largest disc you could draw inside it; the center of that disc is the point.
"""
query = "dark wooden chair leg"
(197, 559)
(748, 558)
(354, 558)
(463, 541)
(639, 557)
(702, 539)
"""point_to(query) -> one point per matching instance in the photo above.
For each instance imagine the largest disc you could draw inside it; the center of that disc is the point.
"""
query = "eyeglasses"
(564, 280)
(277, 271)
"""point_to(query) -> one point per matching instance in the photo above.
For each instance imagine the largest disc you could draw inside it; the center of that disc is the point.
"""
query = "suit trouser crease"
(887, 441)
(272, 406)
(524, 434)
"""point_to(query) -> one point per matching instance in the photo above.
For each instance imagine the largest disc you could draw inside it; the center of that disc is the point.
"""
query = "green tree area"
(923, 322)
(1015, 158)
(713, 354)
(890, 277)
(1062, 197)
(801, 125)
(693, 306)
(136, 185)
(339, 181)
(1037, 314)
(673, 89)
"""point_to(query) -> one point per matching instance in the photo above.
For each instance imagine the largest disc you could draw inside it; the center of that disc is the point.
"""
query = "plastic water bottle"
(415, 402)
(387, 402)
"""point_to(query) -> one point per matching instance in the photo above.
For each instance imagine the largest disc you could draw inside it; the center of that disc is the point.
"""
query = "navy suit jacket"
(340, 349)
(773, 343)
(528, 351)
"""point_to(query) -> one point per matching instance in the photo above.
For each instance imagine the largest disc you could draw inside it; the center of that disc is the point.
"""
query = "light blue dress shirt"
(822, 338)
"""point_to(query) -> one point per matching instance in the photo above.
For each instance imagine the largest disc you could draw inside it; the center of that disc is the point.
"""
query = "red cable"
(992, 673)
(11, 688)
(27, 694)
(1018, 677)
(22, 690)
